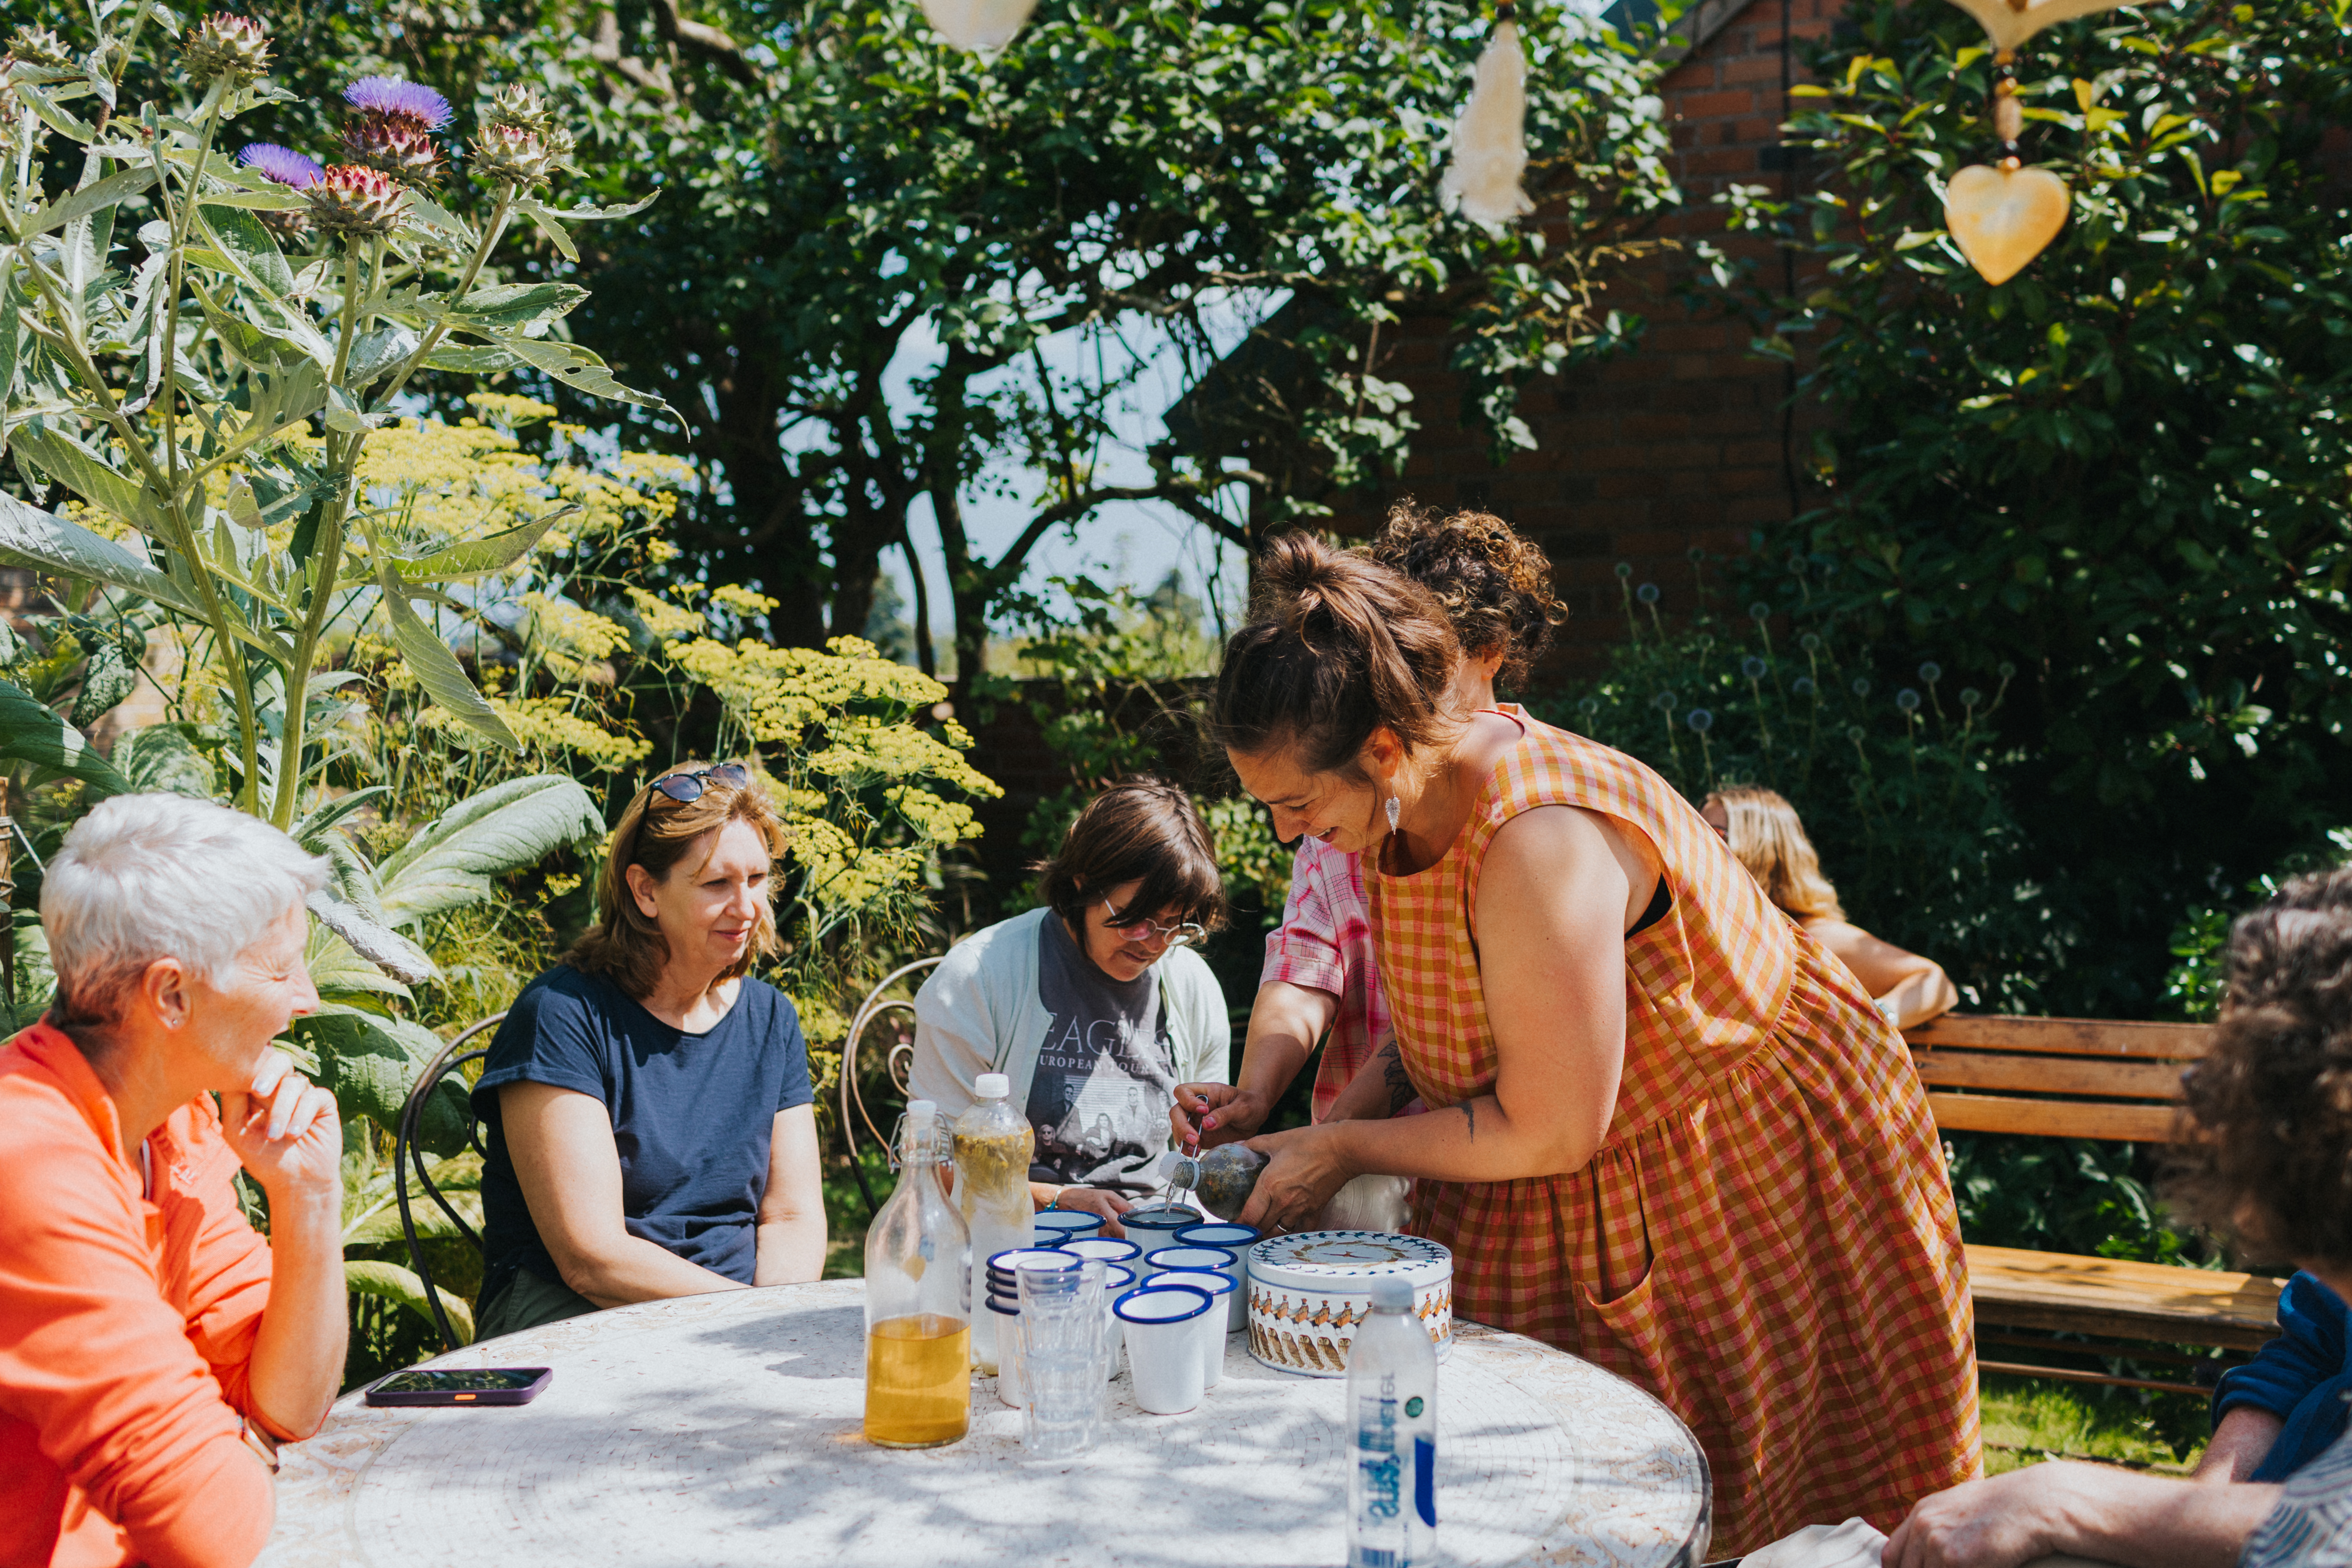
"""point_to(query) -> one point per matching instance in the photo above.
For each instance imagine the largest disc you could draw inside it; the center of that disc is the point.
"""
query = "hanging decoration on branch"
(2003, 217)
(1490, 140)
(982, 27)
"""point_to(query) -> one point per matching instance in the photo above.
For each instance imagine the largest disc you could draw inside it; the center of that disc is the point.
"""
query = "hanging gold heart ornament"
(2002, 218)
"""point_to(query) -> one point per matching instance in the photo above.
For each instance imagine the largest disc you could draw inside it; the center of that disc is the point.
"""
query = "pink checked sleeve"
(1304, 950)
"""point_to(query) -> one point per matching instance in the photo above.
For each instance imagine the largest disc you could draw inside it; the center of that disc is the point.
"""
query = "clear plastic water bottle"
(993, 1146)
(1393, 1400)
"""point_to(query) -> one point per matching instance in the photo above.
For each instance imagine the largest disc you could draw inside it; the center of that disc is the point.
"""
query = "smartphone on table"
(461, 1386)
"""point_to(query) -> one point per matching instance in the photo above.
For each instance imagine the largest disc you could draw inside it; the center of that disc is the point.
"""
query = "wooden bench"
(2078, 1078)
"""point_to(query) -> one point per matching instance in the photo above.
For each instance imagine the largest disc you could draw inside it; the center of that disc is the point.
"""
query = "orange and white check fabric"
(1766, 1240)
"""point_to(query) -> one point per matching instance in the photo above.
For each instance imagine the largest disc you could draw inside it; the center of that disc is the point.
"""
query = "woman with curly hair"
(1494, 586)
(1495, 590)
(2267, 1158)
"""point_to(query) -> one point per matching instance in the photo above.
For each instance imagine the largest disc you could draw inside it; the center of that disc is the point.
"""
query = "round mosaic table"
(725, 1429)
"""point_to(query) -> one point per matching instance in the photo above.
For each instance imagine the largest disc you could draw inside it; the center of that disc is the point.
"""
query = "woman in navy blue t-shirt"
(651, 1129)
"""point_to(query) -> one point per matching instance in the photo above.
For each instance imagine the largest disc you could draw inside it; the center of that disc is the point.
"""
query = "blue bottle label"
(1424, 1478)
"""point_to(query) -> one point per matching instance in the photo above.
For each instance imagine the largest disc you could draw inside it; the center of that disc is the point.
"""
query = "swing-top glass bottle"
(917, 1299)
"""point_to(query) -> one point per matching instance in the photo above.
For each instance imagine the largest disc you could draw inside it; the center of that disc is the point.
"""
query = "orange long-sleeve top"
(127, 1324)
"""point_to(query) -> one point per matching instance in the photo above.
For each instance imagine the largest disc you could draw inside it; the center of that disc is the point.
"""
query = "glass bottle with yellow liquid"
(919, 1299)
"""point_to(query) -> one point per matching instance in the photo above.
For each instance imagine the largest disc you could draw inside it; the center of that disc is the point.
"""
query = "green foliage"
(1088, 221)
(1897, 774)
(392, 1326)
(2200, 973)
(2121, 472)
(2061, 1194)
(172, 398)
(1114, 686)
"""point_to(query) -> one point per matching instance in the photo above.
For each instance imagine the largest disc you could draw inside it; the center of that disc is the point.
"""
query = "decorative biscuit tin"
(1307, 1292)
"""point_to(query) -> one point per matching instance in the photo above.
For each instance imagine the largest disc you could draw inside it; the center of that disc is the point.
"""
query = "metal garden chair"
(452, 1058)
(897, 1062)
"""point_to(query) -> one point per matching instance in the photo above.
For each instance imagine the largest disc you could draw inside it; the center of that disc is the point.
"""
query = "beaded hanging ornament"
(2003, 217)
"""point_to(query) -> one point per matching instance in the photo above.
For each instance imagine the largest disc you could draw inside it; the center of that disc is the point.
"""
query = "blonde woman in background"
(1767, 837)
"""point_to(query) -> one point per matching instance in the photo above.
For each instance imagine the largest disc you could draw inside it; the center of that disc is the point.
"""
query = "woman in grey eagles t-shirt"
(1096, 1005)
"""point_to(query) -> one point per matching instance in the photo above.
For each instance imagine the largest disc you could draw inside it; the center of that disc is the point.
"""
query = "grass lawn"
(2027, 1421)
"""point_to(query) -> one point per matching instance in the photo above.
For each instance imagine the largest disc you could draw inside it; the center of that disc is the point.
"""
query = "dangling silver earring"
(1394, 811)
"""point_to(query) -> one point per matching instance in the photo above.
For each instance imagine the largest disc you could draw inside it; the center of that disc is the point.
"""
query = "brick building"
(1685, 441)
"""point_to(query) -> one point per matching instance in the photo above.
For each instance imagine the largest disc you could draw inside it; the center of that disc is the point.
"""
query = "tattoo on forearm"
(1470, 1109)
(1399, 1082)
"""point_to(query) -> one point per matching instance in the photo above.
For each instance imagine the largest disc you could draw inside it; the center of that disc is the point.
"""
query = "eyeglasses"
(1141, 929)
(685, 788)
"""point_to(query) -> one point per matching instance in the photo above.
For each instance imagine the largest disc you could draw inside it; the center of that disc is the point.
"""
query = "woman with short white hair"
(155, 1350)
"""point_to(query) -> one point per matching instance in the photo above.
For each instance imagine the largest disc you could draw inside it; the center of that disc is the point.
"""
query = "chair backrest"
(898, 1048)
(2055, 1077)
(406, 1153)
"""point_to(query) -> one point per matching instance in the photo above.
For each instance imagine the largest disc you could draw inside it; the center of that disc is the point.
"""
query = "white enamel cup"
(1101, 1250)
(1051, 1228)
(1212, 1258)
(1217, 1323)
(1163, 1345)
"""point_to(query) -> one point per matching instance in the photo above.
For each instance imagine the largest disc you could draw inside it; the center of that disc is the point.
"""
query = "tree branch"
(605, 50)
(1184, 497)
(703, 39)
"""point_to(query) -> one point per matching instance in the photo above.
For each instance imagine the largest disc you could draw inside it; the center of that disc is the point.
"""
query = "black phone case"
(465, 1396)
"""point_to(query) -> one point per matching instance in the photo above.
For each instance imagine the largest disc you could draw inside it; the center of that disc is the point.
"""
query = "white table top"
(725, 1429)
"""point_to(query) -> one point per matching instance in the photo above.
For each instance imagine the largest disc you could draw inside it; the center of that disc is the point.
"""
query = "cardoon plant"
(221, 453)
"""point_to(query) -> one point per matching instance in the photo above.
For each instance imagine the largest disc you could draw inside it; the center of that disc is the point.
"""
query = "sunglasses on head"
(685, 788)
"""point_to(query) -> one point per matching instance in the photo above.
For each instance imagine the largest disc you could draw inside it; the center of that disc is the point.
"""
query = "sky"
(1130, 543)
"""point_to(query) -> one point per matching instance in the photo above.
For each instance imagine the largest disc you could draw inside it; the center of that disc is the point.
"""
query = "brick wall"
(1678, 444)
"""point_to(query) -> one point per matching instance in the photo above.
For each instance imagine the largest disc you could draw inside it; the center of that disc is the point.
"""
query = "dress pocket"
(1617, 1297)
(1624, 1333)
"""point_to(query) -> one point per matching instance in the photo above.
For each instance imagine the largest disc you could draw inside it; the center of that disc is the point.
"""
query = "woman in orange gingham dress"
(1757, 1226)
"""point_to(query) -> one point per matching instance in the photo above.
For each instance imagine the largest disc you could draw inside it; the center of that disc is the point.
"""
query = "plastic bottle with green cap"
(1392, 1407)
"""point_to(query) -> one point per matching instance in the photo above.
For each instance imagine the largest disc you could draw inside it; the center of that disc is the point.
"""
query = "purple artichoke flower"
(282, 164)
(389, 98)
